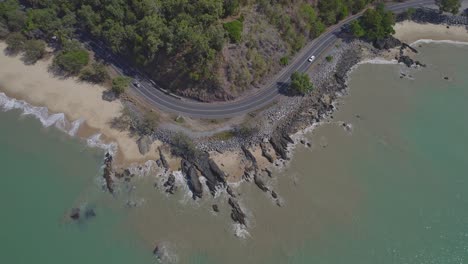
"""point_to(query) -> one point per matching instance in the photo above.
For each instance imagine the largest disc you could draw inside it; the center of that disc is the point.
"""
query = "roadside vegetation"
(182, 44)
(452, 6)
(300, 84)
(375, 24)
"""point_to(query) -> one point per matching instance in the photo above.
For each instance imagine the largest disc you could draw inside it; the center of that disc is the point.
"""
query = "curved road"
(158, 98)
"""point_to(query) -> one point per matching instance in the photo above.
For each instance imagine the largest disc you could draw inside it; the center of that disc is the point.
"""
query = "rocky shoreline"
(276, 125)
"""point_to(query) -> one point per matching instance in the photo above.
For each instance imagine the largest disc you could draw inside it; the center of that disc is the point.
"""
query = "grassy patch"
(225, 135)
(234, 30)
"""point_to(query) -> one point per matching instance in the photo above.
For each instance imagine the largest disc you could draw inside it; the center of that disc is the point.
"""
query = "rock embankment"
(433, 16)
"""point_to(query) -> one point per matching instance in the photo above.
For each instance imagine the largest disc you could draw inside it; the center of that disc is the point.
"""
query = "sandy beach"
(77, 100)
(409, 32)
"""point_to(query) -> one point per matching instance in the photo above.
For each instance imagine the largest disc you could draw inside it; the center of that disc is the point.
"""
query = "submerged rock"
(215, 208)
(75, 214)
(170, 184)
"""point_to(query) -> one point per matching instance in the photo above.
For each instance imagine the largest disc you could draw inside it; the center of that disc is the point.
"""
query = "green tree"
(375, 24)
(452, 6)
(71, 62)
(120, 84)
(300, 83)
(357, 30)
(183, 146)
(34, 50)
(15, 42)
(96, 73)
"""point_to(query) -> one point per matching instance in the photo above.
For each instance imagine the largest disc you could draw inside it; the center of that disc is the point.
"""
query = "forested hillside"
(209, 49)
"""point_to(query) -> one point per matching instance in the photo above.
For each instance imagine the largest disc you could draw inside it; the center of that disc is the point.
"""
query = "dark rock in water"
(193, 181)
(446, 78)
(230, 192)
(265, 152)
(259, 182)
(108, 173)
(308, 145)
(75, 214)
(302, 141)
(144, 144)
(237, 214)
(90, 213)
(210, 170)
(268, 172)
(163, 160)
(279, 141)
(247, 175)
(387, 43)
(406, 46)
(215, 208)
(406, 60)
(157, 252)
(170, 184)
(158, 162)
(418, 63)
(274, 194)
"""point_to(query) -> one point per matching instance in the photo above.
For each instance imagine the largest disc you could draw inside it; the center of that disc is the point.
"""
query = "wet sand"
(410, 32)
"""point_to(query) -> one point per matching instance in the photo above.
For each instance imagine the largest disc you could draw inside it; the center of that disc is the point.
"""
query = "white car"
(137, 84)
(311, 59)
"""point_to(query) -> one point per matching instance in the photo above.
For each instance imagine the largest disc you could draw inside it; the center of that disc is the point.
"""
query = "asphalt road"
(160, 99)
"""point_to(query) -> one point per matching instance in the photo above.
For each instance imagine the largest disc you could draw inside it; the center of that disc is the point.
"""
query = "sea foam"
(426, 41)
(58, 120)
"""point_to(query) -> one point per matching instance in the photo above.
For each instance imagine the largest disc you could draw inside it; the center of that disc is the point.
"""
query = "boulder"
(163, 159)
(170, 184)
(215, 208)
(193, 181)
(387, 43)
(144, 144)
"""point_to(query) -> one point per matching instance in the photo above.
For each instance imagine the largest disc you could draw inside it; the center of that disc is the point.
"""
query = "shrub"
(15, 42)
(300, 83)
(329, 58)
(120, 84)
(183, 146)
(96, 73)
(284, 60)
(34, 50)
(234, 30)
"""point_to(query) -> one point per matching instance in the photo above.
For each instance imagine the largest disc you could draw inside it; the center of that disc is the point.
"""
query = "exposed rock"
(215, 208)
(144, 144)
(446, 78)
(406, 60)
(230, 191)
(236, 213)
(75, 214)
(259, 182)
(170, 184)
(249, 156)
(108, 173)
(387, 43)
(208, 168)
(163, 160)
(406, 46)
(268, 172)
(279, 141)
(265, 152)
(193, 181)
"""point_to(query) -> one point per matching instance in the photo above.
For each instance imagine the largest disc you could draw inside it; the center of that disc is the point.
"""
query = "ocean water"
(393, 189)
(44, 174)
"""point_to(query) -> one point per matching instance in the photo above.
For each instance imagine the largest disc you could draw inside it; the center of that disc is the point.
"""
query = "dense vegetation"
(181, 43)
(452, 6)
(375, 24)
(300, 83)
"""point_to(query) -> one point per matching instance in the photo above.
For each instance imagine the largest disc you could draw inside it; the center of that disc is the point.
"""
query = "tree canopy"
(452, 6)
(120, 84)
(300, 83)
(375, 24)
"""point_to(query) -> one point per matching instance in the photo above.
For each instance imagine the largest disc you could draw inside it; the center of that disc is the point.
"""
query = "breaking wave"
(426, 41)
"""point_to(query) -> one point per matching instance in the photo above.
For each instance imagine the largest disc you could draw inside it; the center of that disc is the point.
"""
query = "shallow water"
(391, 191)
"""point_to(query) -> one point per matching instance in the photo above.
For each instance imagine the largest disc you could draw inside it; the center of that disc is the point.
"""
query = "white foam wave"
(75, 125)
(240, 231)
(426, 41)
(96, 142)
(378, 61)
(41, 113)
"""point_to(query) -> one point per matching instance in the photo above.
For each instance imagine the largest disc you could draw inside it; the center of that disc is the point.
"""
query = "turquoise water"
(394, 190)
(44, 174)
